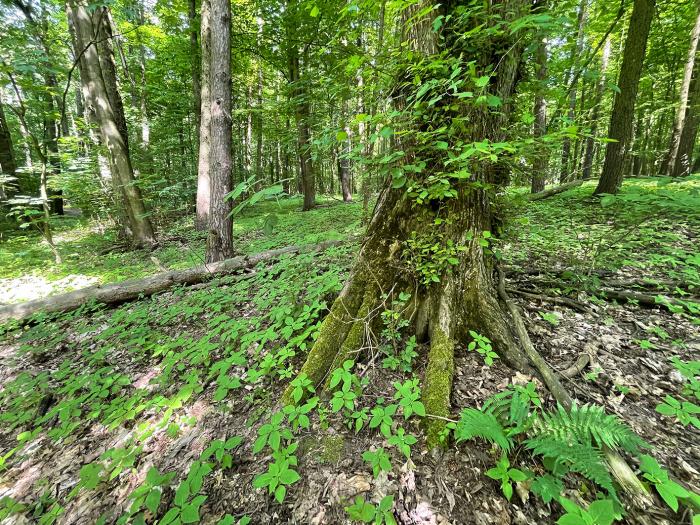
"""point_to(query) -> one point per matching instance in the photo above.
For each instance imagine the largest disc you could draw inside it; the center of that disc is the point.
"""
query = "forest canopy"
(350, 261)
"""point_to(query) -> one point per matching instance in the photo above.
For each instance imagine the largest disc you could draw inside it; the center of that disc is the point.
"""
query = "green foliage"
(403, 442)
(684, 411)
(600, 512)
(482, 345)
(378, 460)
(475, 423)
(431, 257)
(669, 490)
(408, 396)
(506, 475)
(365, 512)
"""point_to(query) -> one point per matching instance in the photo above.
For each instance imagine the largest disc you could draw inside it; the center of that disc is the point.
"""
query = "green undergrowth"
(649, 227)
(92, 255)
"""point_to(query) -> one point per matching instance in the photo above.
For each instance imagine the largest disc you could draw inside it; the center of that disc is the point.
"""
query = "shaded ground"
(153, 383)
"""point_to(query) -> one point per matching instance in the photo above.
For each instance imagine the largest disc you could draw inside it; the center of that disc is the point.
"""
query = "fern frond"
(577, 457)
(510, 408)
(474, 423)
(587, 425)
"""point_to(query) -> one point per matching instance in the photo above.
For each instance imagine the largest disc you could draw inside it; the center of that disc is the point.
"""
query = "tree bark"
(621, 120)
(117, 149)
(204, 157)
(220, 239)
(684, 157)
(465, 298)
(692, 64)
(8, 166)
(195, 64)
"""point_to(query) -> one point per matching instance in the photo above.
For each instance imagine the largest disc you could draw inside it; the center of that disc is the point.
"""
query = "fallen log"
(555, 190)
(117, 293)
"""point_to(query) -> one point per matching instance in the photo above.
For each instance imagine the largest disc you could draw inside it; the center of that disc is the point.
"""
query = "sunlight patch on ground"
(30, 287)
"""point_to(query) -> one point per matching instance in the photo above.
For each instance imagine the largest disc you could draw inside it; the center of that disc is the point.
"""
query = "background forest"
(353, 261)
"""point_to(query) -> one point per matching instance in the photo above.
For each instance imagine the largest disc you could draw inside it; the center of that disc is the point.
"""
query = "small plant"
(551, 318)
(221, 451)
(684, 411)
(600, 512)
(408, 396)
(298, 415)
(365, 512)
(272, 433)
(378, 460)
(403, 442)
(279, 473)
(343, 398)
(483, 346)
(547, 487)
(506, 475)
(302, 384)
(669, 490)
(382, 417)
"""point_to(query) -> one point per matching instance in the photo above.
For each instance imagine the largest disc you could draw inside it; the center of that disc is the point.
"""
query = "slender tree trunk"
(259, 127)
(686, 143)
(113, 136)
(595, 114)
(220, 239)
(539, 166)
(195, 64)
(8, 166)
(621, 120)
(692, 63)
(204, 157)
(571, 114)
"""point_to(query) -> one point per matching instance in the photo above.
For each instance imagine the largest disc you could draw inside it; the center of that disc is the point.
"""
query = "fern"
(475, 423)
(577, 457)
(587, 425)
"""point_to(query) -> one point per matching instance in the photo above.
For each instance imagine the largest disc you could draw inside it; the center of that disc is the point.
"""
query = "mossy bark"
(437, 385)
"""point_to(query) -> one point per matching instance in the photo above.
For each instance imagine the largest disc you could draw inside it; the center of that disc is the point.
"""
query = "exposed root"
(438, 384)
(333, 333)
(622, 472)
(563, 301)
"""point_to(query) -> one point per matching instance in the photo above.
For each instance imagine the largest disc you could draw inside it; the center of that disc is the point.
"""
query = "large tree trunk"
(595, 114)
(621, 120)
(195, 64)
(86, 30)
(220, 239)
(204, 158)
(539, 165)
(8, 166)
(692, 63)
(465, 298)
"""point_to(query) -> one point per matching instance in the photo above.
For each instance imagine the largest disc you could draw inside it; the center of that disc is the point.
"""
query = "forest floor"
(91, 401)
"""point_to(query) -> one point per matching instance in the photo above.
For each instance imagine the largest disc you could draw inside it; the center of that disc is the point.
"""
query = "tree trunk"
(692, 63)
(204, 157)
(195, 64)
(8, 166)
(465, 298)
(686, 143)
(220, 239)
(302, 116)
(539, 166)
(621, 120)
(571, 114)
(595, 114)
(117, 149)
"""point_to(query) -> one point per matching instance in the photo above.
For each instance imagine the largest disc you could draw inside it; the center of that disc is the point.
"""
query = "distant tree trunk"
(692, 63)
(220, 239)
(195, 62)
(539, 165)
(8, 166)
(621, 120)
(117, 148)
(595, 114)
(301, 116)
(259, 127)
(204, 157)
(571, 114)
(686, 143)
